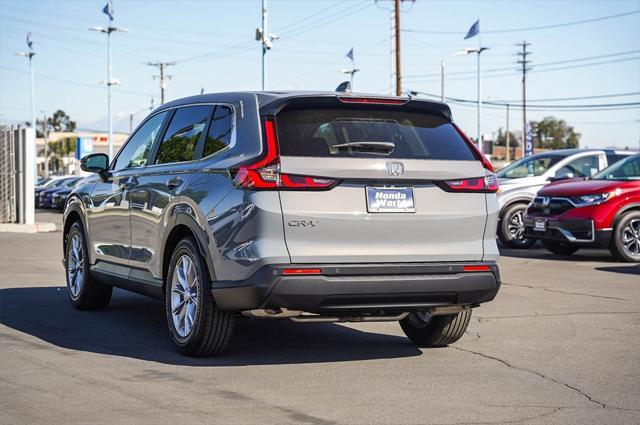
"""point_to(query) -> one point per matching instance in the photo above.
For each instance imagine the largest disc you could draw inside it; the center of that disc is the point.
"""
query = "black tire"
(211, 328)
(85, 293)
(509, 238)
(436, 331)
(628, 226)
(560, 248)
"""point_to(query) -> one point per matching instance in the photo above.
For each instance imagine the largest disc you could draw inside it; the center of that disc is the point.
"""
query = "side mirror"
(95, 163)
(562, 174)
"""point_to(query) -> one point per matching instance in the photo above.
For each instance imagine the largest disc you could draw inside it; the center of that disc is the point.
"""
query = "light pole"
(30, 54)
(109, 82)
(266, 42)
(479, 50)
(443, 64)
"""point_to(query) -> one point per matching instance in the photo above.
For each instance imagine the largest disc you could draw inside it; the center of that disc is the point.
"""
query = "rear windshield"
(368, 134)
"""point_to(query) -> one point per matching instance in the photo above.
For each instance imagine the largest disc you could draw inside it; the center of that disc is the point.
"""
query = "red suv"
(602, 211)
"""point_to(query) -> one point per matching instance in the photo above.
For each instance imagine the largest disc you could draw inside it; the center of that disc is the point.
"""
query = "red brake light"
(300, 271)
(373, 100)
(476, 152)
(486, 184)
(479, 268)
(265, 174)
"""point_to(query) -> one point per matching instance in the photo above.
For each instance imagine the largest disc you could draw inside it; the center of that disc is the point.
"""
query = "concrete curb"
(27, 228)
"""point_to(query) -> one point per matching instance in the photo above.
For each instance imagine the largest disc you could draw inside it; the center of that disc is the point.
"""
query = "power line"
(539, 27)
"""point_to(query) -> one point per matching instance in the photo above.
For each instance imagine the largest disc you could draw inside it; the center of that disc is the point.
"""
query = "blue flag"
(474, 30)
(350, 54)
(108, 9)
(29, 41)
(528, 141)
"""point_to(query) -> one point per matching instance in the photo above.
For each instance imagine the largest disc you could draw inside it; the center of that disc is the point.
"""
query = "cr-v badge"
(395, 168)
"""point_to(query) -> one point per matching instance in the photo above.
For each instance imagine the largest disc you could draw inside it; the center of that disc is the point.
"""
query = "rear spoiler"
(343, 100)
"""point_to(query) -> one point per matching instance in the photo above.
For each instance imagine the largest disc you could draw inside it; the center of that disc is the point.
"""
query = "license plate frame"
(390, 199)
(540, 225)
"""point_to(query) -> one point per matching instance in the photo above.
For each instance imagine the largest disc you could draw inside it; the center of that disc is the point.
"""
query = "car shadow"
(135, 326)
(631, 269)
(585, 254)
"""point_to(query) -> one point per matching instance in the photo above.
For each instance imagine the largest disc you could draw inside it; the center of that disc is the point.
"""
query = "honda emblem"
(395, 168)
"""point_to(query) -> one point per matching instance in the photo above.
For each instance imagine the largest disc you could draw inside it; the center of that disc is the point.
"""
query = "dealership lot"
(560, 344)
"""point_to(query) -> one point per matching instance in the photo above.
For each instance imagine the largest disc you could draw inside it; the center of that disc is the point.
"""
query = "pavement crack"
(541, 375)
(564, 292)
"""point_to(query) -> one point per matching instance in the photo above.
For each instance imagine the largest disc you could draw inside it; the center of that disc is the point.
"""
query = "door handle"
(174, 183)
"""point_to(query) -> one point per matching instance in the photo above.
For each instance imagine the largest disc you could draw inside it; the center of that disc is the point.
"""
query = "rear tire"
(560, 248)
(511, 228)
(197, 326)
(85, 293)
(625, 241)
(435, 331)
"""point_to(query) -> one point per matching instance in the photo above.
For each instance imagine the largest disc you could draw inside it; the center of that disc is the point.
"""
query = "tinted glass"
(410, 135)
(629, 169)
(583, 167)
(528, 167)
(613, 158)
(136, 152)
(184, 131)
(219, 136)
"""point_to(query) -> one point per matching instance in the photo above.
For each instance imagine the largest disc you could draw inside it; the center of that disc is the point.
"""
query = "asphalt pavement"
(559, 345)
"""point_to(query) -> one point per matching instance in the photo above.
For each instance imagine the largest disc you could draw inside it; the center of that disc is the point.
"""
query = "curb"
(27, 228)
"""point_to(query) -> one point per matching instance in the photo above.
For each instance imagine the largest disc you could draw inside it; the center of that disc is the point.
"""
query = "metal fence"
(8, 207)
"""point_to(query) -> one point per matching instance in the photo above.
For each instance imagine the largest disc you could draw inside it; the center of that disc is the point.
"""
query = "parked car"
(602, 211)
(55, 198)
(319, 207)
(45, 196)
(521, 180)
(55, 181)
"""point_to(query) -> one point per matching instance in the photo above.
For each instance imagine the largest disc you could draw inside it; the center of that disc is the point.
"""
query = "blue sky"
(213, 44)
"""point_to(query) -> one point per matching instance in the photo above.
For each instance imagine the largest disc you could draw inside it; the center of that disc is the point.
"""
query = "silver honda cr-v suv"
(317, 207)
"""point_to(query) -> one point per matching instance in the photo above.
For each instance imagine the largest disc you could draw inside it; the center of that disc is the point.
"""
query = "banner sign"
(84, 147)
(528, 142)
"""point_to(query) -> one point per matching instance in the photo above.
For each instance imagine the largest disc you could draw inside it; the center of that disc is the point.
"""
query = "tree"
(501, 139)
(60, 121)
(554, 133)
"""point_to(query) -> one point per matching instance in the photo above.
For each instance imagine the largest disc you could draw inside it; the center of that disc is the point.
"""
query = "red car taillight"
(265, 174)
(486, 184)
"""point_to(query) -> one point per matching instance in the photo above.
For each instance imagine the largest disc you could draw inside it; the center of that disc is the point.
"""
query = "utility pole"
(507, 136)
(30, 54)
(524, 62)
(162, 77)
(266, 42)
(398, 67)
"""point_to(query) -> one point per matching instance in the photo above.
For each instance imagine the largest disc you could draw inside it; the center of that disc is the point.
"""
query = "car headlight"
(594, 199)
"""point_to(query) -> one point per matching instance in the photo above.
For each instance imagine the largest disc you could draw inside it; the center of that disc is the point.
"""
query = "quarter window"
(220, 131)
(136, 152)
(586, 166)
(183, 133)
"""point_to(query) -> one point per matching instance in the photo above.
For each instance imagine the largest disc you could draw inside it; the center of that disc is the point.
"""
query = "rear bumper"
(574, 232)
(352, 288)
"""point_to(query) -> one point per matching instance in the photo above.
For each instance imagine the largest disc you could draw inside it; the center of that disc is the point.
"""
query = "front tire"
(560, 248)
(625, 242)
(435, 331)
(511, 229)
(85, 293)
(197, 326)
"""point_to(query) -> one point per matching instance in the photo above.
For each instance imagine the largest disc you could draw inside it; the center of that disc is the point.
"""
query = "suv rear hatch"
(365, 180)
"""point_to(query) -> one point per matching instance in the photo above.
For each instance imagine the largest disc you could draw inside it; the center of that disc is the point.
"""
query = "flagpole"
(480, 144)
(109, 120)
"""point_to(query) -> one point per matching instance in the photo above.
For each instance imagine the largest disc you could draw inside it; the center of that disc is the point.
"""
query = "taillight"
(265, 174)
(476, 152)
(477, 268)
(486, 184)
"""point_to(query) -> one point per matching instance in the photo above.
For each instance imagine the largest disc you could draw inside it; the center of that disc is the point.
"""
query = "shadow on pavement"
(600, 255)
(134, 326)
(631, 269)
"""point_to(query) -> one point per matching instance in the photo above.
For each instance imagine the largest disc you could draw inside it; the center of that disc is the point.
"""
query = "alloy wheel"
(516, 225)
(75, 267)
(184, 296)
(631, 238)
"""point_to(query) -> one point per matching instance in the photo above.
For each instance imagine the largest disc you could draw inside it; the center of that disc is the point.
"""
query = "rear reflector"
(300, 271)
(373, 100)
(479, 268)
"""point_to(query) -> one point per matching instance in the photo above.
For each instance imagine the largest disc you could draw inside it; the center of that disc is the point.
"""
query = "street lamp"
(479, 50)
(442, 66)
(109, 82)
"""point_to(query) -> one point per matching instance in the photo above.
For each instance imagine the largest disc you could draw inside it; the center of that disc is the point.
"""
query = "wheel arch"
(635, 206)
(73, 213)
(519, 200)
(185, 226)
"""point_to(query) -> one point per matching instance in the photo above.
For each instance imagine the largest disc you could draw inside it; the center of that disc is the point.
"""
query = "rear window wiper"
(366, 146)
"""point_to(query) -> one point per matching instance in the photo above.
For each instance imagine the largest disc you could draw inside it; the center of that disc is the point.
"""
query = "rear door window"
(182, 136)
(362, 133)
